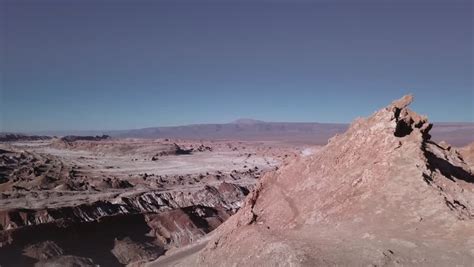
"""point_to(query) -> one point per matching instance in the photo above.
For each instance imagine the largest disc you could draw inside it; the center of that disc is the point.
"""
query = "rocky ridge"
(174, 218)
(380, 194)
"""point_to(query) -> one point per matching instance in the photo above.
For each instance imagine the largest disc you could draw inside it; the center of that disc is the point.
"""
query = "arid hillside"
(381, 194)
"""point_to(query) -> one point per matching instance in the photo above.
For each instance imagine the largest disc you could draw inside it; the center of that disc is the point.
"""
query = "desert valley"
(379, 193)
(135, 199)
(155, 133)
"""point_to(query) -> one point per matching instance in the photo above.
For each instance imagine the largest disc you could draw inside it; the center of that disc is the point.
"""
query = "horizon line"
(199, 124)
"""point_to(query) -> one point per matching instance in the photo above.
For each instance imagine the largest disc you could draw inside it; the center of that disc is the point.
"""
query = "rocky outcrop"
(22, 169)
(382, 193)
(227, 198)
(407, 120)
(6, 137)
(183, 226)
(114, 183)
(467, 153)
(181, 150)
(170, 219)
(74, 138)
(128, 251)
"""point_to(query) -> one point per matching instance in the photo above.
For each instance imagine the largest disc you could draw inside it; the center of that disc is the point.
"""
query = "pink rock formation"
(380, 194)
(468, 154)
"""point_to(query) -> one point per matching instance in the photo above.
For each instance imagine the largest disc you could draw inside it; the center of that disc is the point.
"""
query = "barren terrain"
(381, 194)
(118, 201)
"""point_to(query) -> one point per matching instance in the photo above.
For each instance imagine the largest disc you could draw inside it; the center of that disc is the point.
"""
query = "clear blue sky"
(79, 65)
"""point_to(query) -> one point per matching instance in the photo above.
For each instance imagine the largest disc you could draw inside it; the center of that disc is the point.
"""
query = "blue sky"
(82, 65)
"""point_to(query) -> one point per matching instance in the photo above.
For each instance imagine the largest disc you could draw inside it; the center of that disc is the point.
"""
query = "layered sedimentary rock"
(228, 200)
(107, 203)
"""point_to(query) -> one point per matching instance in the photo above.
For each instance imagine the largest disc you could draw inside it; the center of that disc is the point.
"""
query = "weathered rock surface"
(23, 170)
(381, 194)
(173, 219)
(74, 138)
(148, 202)
(104, 202)
(467, 153)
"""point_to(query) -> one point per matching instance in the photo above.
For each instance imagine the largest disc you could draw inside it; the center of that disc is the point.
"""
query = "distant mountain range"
(454, 133)
(244, 130)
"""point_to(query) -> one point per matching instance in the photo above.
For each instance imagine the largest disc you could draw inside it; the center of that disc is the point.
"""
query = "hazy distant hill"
(245, 130)
(456, 134)
(317, 133)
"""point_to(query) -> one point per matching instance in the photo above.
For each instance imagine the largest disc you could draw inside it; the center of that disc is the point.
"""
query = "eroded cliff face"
(382, 193)
(172, 219)
(118, 202)
(149, 202)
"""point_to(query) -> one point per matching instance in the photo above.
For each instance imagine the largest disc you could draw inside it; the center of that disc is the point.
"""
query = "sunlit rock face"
(382, 193)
